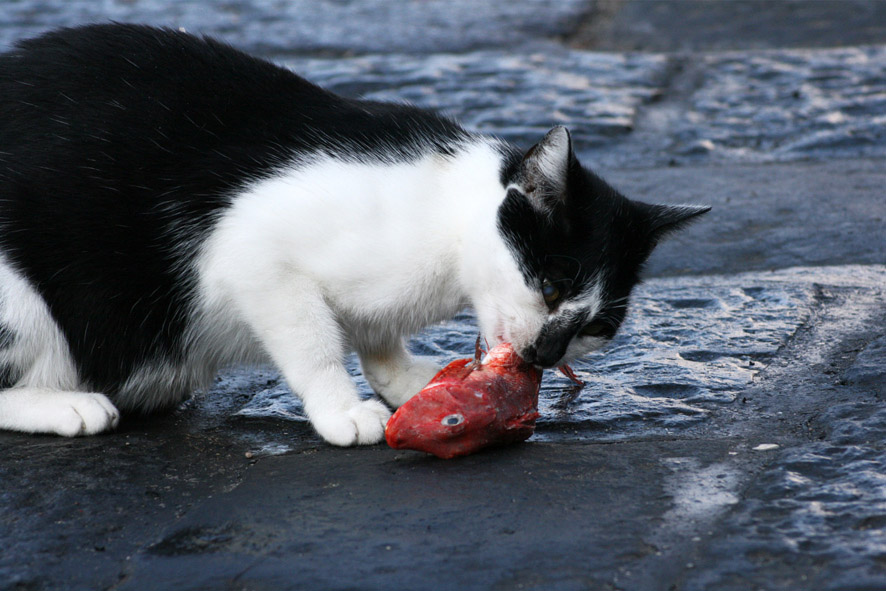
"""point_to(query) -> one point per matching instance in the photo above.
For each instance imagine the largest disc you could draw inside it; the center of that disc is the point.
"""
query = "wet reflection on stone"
(824, 502)
(331, 27)
(686, 345)
(788, 104)
(764, 106)
(515, 96)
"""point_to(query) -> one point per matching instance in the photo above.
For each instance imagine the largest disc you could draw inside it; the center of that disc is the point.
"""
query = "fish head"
(442, 422)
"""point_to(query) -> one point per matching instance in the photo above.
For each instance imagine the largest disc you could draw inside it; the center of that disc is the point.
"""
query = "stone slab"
(757, 106)
(403, 522)
(781, 489)
(764, 106)
(813, 519)
(765, 217)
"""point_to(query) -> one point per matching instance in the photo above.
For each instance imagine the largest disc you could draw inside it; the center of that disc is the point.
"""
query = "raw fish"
(470, 404)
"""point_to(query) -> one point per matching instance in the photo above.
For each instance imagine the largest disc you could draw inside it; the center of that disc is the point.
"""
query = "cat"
(170, 205)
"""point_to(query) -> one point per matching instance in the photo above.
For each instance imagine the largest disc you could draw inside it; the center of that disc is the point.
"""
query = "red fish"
(470, 404)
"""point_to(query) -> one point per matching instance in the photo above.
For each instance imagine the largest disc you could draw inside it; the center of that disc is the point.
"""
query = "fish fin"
(478, 351)
(567, 371)
(456, 370)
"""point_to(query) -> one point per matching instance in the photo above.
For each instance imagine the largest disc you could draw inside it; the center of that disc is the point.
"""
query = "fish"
(469, 405)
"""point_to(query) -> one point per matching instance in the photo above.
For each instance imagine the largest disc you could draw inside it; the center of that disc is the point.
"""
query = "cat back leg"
(38, 380)
(36, 410)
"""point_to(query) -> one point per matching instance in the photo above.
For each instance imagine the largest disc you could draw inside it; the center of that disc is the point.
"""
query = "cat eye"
(549, 292)
(452, 420)
(594, 329)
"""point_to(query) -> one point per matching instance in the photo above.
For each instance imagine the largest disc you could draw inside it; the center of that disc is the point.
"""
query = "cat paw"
(64, 413)
(362, 424)
(81, 413)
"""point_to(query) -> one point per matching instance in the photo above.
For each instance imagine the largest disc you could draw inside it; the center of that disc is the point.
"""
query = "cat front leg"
(300, 333)
(334, 408)
(394, 374)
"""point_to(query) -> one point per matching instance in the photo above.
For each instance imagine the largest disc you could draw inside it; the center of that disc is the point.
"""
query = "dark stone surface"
(406, 521)
(812, 515)
(617, 488)
(771, 216)
(731, 439)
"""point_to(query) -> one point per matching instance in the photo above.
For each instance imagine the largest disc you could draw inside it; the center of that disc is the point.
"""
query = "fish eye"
(549, 292)
(594, 329)
(452, 420)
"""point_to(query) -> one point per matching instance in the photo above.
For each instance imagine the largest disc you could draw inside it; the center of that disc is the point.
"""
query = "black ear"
(545, 168)
(665, 219)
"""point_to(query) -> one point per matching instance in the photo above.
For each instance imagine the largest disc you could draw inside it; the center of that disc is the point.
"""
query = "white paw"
(81, 413)
(64, 413)
(361, 424)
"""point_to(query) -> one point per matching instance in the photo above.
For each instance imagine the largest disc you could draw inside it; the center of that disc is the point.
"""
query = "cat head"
(577, 246)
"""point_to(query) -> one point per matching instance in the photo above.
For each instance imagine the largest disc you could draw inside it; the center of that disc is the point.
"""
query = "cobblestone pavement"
(729, 439)
(339, 27)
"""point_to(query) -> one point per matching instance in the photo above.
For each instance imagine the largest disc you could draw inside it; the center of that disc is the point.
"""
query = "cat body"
(170, 205)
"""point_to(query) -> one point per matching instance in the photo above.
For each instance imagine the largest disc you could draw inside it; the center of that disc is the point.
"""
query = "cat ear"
(665, 219)
(544, 169)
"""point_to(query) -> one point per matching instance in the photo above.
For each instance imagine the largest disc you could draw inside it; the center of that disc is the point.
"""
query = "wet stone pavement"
(730, 438)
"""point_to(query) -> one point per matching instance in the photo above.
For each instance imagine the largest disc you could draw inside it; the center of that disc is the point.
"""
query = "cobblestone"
(282, 27)
(515, 95)
(778, 105)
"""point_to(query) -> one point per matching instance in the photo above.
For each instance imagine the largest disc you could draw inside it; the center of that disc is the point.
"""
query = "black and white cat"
(169, 205)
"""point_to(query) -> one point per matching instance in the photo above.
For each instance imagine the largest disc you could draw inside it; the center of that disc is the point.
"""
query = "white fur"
(335, 255)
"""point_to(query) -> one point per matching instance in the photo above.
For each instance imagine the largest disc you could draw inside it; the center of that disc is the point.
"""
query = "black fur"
(119, 146)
